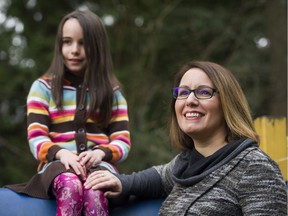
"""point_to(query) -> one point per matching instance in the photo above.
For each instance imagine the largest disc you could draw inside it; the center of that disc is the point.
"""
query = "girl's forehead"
(72, 28)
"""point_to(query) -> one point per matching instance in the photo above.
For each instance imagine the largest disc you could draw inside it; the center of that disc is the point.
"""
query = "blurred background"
(150, 40)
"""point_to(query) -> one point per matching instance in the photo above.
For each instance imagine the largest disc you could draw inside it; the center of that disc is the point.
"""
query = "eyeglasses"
(202, 92)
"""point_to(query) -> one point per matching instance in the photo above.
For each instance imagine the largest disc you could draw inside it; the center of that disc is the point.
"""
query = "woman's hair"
(99, 77)
(234, 104)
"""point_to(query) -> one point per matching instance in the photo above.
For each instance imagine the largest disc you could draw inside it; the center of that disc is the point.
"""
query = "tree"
(149, 41)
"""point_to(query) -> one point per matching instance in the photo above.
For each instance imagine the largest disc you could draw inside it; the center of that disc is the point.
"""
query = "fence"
(273, 140)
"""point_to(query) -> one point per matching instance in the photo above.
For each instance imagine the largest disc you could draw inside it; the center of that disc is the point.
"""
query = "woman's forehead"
(194, 77)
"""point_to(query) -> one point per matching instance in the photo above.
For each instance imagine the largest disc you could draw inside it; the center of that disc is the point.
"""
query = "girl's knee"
(95, 203)
(93, 194)
(68, 190)
(68, 181)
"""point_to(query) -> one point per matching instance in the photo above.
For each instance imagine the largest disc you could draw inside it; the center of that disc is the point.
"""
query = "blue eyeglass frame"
(193, 90)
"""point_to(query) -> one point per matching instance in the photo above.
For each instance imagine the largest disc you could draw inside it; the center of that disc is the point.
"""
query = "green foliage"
(149, 148)
(149, 41)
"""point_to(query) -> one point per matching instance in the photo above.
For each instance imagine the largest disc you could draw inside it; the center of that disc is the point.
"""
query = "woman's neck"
(208, 146)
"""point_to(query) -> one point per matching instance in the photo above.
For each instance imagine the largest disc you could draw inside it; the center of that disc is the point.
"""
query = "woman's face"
(199, 118)
(73, 47)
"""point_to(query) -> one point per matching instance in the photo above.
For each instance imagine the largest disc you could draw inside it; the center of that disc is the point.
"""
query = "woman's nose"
(191, 99)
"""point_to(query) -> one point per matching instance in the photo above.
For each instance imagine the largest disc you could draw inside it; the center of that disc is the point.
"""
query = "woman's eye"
(204, 92)
(183, 92)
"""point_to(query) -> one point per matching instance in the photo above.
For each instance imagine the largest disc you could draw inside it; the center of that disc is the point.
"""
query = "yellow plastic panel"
(273, 140)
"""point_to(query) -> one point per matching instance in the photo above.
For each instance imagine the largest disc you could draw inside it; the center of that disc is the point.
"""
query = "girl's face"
(199, 118)
(73, 47)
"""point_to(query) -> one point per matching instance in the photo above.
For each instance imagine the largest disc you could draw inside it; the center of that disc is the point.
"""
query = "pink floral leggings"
(73, 199)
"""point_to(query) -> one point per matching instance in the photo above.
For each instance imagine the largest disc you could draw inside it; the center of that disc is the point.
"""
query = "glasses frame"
(194, 91)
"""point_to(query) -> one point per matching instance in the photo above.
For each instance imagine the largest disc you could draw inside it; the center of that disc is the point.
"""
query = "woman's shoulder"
(258, 161)
(255, 154)
(259, 170)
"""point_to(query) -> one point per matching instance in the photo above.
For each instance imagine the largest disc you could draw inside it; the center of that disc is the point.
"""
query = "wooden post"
(273, 140)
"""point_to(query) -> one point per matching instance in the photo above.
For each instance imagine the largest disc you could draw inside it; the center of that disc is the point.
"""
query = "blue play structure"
(13, 204)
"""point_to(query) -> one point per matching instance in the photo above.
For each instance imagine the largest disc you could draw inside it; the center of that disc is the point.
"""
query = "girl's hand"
(91, 158)
(70, 160)
(104, 180)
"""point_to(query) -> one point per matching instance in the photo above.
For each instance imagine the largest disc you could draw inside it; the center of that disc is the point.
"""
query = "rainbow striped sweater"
(50, 130)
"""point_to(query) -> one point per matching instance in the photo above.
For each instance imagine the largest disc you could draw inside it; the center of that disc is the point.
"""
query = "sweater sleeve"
(262, 189)
(166, 171)
(118, 131)
(146, 183)
(153, 182)
(38, 120)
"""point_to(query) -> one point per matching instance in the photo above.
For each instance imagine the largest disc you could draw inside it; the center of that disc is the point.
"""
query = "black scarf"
(191, 167)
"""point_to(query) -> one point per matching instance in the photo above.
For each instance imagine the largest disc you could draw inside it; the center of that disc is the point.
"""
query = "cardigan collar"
(191, 167)
(73, 80)
(184, 196)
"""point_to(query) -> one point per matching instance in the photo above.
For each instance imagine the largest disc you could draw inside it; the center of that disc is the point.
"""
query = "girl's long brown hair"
(99, 78)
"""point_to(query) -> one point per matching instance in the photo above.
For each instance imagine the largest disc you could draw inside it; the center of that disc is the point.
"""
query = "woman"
(220, 170)
(77, 118)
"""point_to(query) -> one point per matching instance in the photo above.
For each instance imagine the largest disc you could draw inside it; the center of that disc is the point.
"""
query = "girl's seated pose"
(77, 118)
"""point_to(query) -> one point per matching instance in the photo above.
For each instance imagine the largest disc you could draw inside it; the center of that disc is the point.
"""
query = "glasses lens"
(204, 92)
(181, 93)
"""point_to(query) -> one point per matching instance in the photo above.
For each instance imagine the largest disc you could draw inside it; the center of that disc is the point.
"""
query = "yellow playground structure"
(273, 140)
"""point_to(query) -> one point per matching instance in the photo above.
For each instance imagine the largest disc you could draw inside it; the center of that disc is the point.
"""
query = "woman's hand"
(106, 181)
(91, 158)
(71, 160)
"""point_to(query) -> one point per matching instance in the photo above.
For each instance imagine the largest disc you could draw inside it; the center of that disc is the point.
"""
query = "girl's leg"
(68, 191)
(95, 203)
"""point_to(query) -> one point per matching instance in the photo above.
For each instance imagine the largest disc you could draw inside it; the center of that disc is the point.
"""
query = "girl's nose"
(75, 48)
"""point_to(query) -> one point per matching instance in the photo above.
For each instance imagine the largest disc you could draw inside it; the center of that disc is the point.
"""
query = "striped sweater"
(49, 128)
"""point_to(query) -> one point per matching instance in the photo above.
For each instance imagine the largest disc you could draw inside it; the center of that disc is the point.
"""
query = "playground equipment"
(273, 141)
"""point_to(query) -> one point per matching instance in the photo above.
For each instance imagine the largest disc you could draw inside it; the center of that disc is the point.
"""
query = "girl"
(77, 118)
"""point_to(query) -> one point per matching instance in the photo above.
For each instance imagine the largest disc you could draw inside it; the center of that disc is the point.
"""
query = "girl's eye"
(67, 42)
